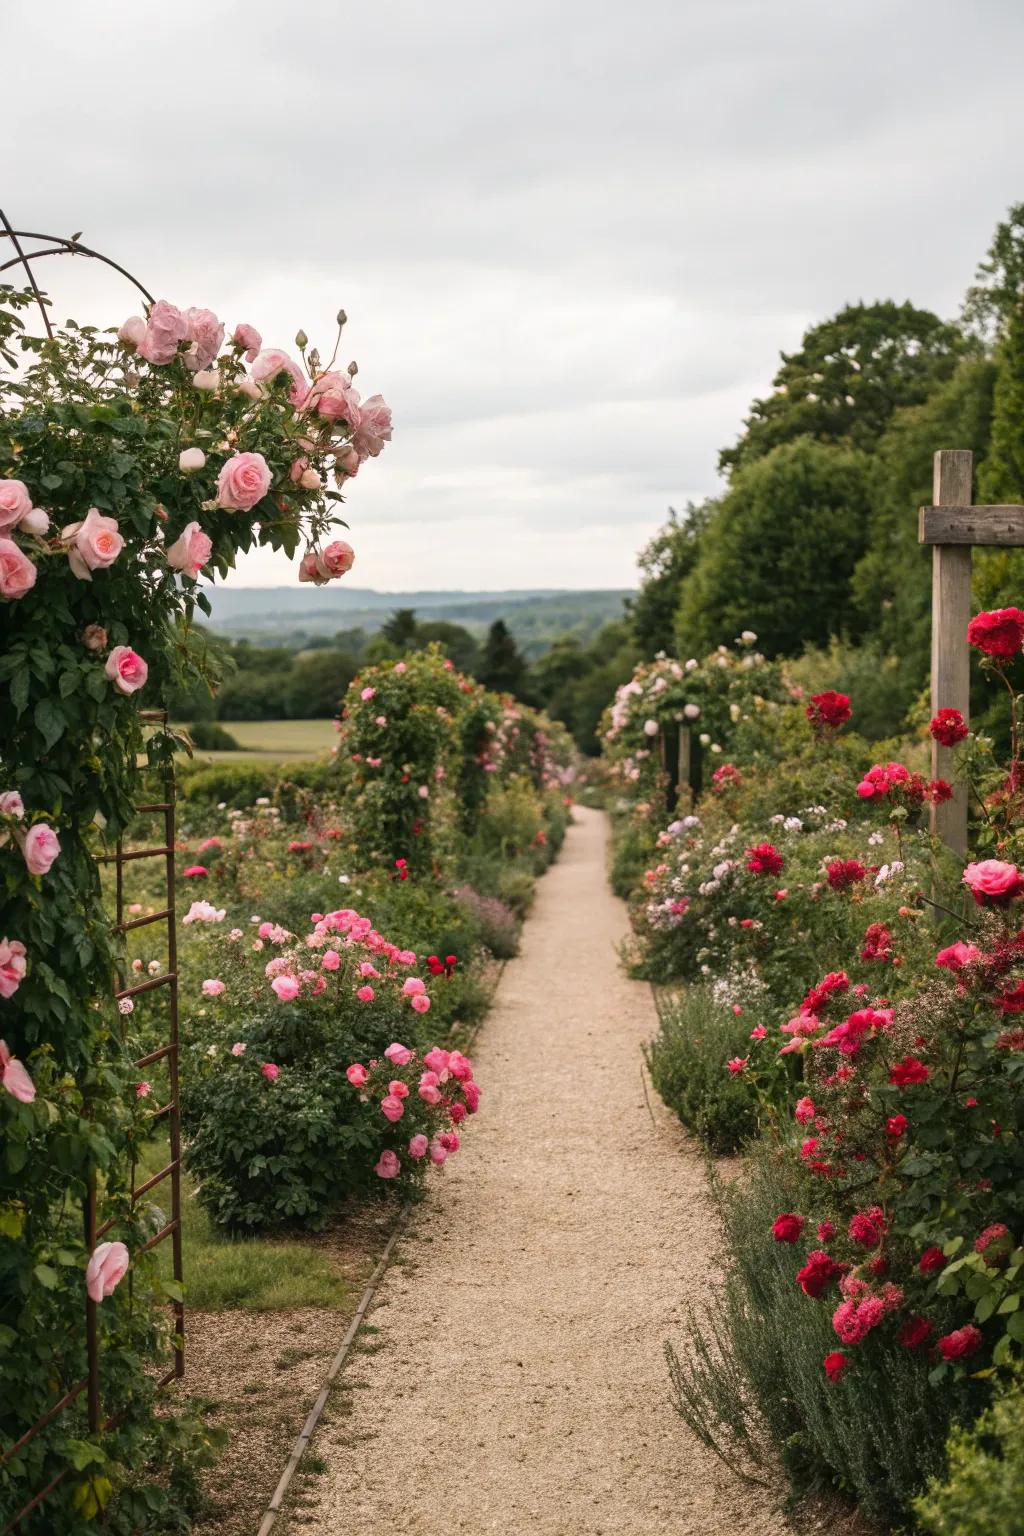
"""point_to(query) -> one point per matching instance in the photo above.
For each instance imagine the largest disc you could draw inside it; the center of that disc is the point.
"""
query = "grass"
(224, 1273)
(274, 741)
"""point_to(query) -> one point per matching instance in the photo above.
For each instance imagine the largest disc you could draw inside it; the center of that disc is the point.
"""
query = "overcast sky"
(572, 236)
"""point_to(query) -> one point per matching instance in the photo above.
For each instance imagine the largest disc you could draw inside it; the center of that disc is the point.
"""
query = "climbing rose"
(249, 339)
(126, 669)
(828, 711)
(995, 1242)
(94, 637)
(877, 943)
(13, 1075)
(804, 1111)
(931, 1260)
(270, 363)
(165, 328)
(818, 1273)
(15, 503)
(334, 396)
(962, 1342)
(909, 1070)
(387, 1165)
(243, 481)
(190, 551)
(105, 1270)
(992, 882)
(12, 966)
(835, 1364)
(787, 1227)
(896, 1126)
(93, 544)
(998, 632)
(337, 558)
(40, 848)
(206, 333)
(373, 428)
(764, 859)
(948, 727)
(17, 573)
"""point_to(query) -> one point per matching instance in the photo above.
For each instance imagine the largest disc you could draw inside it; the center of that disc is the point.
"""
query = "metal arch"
(55, 245)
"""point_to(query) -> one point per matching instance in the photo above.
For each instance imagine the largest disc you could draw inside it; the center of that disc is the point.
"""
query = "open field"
(273, 741)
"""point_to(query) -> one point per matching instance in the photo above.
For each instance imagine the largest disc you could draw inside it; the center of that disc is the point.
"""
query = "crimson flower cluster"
(897, 782)
(828, 711)
(998, 633)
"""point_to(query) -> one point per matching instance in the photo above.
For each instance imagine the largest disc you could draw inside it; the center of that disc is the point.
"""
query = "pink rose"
(420, 1003)
(286, 988)
(366, 994)
(126, 669)
(13, 1075)
(356, 1074)
(398, 1089)
(17, 573)
(418, 1146)
(191, 459)
(346, 461)
(270, 363)
(411, 985)
(270, 1071)
(11, 804)
(35, 522)
(206, 333)
(243, 481)
(15, 503)
(106, 1270)
(94, 637)
(388, 1166)
(190, 550)
(12, 966)
(238, 1049)
(460, 1066)
(132, 331)
(398, 1055)
(310, 569)
(40, 848)
(335, 397)
(373, 429)
(249, 339)
(93, 545)
(429, 1092)
(366, 694)
(338, 558)
(330, 960)
(165, 328)
(213, 987)
(391, 1107)
(436, 1059)
(438, 1154)
(471, 1092)
(992, 882)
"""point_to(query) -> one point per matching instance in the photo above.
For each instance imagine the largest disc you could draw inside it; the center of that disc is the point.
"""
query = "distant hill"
(286, 615)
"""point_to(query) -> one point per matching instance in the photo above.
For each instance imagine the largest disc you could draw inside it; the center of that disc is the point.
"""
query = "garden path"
(518, 1382)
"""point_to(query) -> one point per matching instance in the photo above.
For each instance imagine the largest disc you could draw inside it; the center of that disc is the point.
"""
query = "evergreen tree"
(501, 666)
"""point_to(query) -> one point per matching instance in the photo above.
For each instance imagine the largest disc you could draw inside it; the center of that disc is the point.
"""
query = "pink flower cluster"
(431, 1095)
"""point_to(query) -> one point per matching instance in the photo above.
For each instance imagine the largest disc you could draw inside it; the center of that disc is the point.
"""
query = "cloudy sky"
(572, 236)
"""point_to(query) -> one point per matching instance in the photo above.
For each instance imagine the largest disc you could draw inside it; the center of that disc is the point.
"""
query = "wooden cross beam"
(952, 526)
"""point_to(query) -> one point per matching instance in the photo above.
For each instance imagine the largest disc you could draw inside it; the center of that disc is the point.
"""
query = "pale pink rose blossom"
(338, 557)
(165, 328)
(373, 429)
(212, 987)
(126, 669)
(438, 1154)
(249, 339)
(310, 569)
(346, 461)
(40, 848)
(206, 333)
(270, 1071)
(190, 551)
(412, 985)
(132, 331)
(36, 522)
(399, 1055)
(249, 387)
(243, 481)
(335, 397)
(17, 572)
(272, 362)
(93, 544)
(15, 503)
(14, 1076)
(286, 988)
(12, 966)
(330, 960)
(191, 459)
(207, 379)
(418, 1146)
(94, 637)
(238, 1049)
(106, 1270)
(388, 1165)
(11, 804)
(143, 1090)
(367, 694)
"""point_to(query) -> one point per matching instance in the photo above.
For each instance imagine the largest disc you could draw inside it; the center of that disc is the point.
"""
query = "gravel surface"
(520, 1383)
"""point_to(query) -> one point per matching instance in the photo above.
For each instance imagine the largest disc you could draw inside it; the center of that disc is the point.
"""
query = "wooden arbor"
(952, 527)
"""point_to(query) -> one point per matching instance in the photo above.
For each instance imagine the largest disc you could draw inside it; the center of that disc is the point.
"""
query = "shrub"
(234, 784)
(208, 736)
(495, 922)
(981, 1493)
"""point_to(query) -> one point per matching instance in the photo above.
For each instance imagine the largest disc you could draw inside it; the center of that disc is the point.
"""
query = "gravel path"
(520, 1386)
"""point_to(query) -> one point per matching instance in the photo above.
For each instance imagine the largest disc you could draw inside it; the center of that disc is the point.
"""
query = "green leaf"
(19, 690)
(49, 719)
(172, 1289)
(1010, 1303)
(1015, 1327)
(82, 1454)
(47, 1276)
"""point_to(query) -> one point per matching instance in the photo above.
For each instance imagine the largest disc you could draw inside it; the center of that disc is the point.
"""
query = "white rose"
(132, 331)
(191, 459)
(206, 378)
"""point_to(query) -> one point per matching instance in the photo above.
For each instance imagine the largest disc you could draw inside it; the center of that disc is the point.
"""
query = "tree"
(665, 560)
(501, 666)
(317, 683)
(779, 553)
(995, 296)
(850, 374)
(400, 628)
(458, 644)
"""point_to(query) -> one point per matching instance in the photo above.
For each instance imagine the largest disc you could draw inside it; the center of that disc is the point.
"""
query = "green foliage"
(501, 667)
(696, 1036)
(664, 561)
(208, 736)
(849, 375)
(981, 1492)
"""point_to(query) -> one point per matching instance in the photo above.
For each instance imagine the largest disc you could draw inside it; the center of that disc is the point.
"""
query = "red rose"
(817, 997)
(818, 1273)
(999, 632)
(826, 1231)
(995, 1243)
(835, 1364)
(877, 943)
(764, 859)
(915, 1333)
(828, 711)
(1011, 1001)
(931, 1260)
(787, 1227)
(896, 1126)
(961, 1343)
(937, 791)
(948, 727)
(842, 873)
(908, 1071)
(867, 1228)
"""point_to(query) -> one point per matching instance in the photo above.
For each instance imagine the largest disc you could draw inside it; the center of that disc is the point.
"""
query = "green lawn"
(274, 741)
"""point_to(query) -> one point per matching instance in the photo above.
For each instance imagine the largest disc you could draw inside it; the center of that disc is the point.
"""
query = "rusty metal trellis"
(95, 1230)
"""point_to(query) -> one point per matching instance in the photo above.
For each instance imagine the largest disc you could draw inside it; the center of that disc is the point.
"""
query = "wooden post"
(684, 794)
(951, 612)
